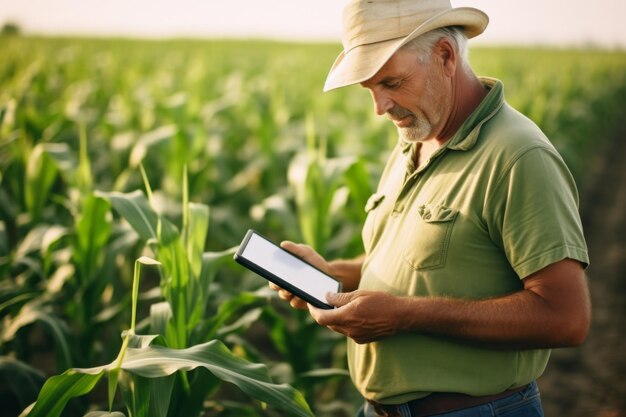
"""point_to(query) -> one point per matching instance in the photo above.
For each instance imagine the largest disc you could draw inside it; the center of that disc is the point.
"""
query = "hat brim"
(362, 62)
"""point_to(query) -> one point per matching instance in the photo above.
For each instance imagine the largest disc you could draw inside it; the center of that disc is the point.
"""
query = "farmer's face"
(413, 94)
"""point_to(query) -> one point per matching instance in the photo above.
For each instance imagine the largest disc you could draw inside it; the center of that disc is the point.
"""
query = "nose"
(382, 102)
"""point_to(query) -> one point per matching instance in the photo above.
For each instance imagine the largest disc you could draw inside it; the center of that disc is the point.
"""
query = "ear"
(447, 54)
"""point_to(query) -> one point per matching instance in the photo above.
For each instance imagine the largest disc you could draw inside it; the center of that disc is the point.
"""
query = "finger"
(340, 299)
(295, 248)
(298, 303)
(274, 286)
(314, 311)
(324, 317)
(285, 295)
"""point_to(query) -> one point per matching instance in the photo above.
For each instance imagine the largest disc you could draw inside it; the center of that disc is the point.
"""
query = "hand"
(311, 256)
(364, 316)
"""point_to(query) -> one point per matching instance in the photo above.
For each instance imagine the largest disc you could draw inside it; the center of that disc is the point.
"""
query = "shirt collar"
(465, 138)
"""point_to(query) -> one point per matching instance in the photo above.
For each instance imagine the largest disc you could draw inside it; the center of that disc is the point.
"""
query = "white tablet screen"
(289, 268)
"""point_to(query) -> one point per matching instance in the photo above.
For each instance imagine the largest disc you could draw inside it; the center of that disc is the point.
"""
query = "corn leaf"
(199, 288)
(93, 228)
(59, 389)
(148, 140)
(160, 314)
(226, 311)
(136, 210)
(195, 236)
(158, 362)
(325, 373)
(64, 159)
(41, 173)
(147, 397)
(176, 290)
(317, 183)
(31, 313)
(253, 379)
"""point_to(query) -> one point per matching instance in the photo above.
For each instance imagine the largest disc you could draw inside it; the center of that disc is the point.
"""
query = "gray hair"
(423, 45)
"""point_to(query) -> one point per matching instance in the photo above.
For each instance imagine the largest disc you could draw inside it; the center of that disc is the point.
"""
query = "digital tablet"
(286, 270)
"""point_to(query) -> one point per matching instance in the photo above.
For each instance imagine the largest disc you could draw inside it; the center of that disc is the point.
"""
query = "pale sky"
(552, 22)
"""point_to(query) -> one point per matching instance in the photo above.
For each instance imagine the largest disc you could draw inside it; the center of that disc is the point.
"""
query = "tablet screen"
(287, 267)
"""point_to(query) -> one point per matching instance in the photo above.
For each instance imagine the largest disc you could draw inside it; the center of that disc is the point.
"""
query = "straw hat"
(373, 30)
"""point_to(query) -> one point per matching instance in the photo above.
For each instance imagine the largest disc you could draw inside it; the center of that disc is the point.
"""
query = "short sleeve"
(533, 213)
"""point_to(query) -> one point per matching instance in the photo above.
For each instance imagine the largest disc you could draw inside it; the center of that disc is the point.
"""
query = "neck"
(467, 94)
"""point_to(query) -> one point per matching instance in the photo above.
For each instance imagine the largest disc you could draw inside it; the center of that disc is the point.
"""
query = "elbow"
(580, 333)
(574, 331)
(576, 337)
(579, 329)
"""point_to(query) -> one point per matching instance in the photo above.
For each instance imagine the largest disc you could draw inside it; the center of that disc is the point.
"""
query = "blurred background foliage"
(262, 146)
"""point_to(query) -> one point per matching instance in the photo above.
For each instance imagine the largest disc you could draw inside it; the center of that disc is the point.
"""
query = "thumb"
(292, 247)
(339, 299)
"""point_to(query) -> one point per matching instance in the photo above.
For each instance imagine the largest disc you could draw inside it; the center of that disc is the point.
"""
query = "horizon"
(598, 26)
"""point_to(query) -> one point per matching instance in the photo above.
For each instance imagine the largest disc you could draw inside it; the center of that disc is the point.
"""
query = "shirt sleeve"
(533, 213)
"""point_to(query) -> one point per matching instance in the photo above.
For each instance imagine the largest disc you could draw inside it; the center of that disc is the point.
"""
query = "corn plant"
(325, 198)
(144, 368)
(64, 251)
(60, 272)
(187, 275)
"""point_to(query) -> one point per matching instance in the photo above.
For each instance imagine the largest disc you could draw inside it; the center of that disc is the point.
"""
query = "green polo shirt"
(495, 204)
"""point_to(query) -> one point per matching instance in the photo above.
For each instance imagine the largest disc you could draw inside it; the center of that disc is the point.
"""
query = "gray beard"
(418, 130)
(416, 133)
(421, 128)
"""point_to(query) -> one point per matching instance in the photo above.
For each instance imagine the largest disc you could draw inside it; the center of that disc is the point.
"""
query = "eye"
(391, 84)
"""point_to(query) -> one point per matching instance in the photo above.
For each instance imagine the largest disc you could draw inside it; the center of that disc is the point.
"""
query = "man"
(474, 252)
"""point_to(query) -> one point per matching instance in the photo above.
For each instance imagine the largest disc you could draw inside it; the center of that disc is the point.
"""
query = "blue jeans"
(526, 403)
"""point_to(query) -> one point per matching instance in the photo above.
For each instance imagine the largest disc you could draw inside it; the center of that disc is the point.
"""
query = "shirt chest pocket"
(428, 240)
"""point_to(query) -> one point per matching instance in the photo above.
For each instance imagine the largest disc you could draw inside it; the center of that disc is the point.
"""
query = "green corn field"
(129, 172)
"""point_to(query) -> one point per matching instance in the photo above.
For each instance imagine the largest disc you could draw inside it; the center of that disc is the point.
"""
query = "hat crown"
(370, 21)
(374, 30)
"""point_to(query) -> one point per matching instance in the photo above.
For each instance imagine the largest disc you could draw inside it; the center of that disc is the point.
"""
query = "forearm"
(348, 271)
(522, 320)
(552, 310)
